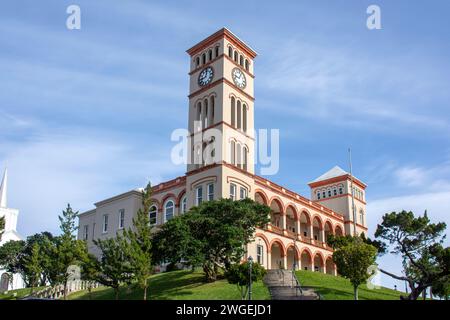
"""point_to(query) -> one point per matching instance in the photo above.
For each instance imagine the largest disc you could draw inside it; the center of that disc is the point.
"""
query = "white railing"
(57, 291)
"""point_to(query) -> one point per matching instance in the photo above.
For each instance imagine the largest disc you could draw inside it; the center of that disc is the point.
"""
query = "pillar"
(269, 259)
(283, 219)
(297, 226)
(322, 235)
(311, 232)
(285, 266)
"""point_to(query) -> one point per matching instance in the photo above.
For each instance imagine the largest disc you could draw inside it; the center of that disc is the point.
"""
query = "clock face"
(205, 76)
(239, 78)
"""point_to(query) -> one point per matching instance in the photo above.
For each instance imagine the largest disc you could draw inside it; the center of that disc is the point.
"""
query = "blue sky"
(87, 114)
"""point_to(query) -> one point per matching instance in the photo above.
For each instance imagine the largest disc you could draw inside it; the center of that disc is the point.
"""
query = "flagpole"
(352, 192)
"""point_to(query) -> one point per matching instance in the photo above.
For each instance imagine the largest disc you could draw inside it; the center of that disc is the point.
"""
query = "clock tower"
(221, 117)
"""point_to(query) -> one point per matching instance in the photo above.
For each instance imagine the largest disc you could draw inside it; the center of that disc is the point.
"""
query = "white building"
(9, 234)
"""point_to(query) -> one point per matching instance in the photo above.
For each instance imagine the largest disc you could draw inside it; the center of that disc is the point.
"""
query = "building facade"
(221, 152)
(8, 281)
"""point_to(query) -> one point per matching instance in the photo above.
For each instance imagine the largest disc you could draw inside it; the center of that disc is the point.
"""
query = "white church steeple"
(3, 190)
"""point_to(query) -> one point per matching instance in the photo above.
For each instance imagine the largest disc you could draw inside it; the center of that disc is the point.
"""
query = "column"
(283, 219)
(311, 233)
(269, 260)
(297, 227)
(322, 235)
(312, 264)
(334, 270)
(285, 266)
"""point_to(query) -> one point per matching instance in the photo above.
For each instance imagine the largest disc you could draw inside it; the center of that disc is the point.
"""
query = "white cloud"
(76, 166)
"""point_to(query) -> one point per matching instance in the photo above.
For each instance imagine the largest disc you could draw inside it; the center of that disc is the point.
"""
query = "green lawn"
(338, 288)
(17, 294)
(177, 285)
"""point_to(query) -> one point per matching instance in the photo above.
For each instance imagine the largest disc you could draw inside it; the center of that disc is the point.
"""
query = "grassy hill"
(17, 294)
(338, 288)
(177, 285)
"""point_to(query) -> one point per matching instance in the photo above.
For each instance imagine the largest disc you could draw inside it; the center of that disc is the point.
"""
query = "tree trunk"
(145, 293)
(65, 289)
(116, 291)
(355, 290)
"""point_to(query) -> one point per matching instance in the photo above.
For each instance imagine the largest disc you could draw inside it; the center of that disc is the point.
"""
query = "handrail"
(297, 282)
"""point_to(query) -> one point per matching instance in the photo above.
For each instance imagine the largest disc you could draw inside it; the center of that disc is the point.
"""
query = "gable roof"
(333, 173)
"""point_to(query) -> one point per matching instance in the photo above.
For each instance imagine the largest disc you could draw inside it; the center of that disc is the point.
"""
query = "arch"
(280, 243)
(338, 230)
(180, 195)
(266, 241)
(329, 265)
(305, 213)
(297, 250)
(233, 112)
(306, 259)
(321, 261)
(156, 202)
(169, 210)
(319, 219)
(263, 196)
(278, 202)
(293, 208)
(167, 196)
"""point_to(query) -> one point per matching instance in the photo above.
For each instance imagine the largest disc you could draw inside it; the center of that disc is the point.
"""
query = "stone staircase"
(283, 285)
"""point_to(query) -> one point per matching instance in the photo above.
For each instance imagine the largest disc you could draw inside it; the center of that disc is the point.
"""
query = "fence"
(57, 291)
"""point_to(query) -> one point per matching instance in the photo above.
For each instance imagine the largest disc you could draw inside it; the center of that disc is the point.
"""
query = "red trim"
(266, 241)
(337, 179)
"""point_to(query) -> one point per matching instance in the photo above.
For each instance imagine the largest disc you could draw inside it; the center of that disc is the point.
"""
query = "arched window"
(239, 114)
(168, 210)
(197, 61)
(324, 195)
(235, 56)
(238, 155)
(210, 55)
(152, 214)
(334, 191)
(233, 152)
(230, 52)
(318, 195)
(211, 112)
(246, 64)
(203, 58)
(233, 112)
(217, 51)
(341, 189)
(206, 117)
(245, 158)
(244, 117)
(241, 60)
(329, 192)
(183, 206)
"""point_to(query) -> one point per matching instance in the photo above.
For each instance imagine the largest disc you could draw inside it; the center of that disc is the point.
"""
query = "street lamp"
(250, 263)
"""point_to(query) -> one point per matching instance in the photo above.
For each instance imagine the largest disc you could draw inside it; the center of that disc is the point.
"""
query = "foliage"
(2, 226)
(114, 268)
(33, 266)
(419, 242)
(353, 259)
(90, 271)
(138, 242)
(239, 274)
(213, 234)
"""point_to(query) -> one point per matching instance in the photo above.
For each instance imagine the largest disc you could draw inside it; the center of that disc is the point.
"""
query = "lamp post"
(250, 263)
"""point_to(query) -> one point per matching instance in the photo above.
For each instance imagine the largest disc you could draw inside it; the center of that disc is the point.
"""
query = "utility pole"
(250, 263)
(352, 192)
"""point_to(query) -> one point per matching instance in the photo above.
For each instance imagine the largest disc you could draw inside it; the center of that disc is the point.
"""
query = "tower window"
(246, 64)
(105, 223)
(241, 60)
(341, 190)
(243, 193)
(244, 117)
(230, 52)
(245, 158)
(329, 192)
(232, 152)
(197, 61)
(121, 218)
(239, 114)
(334, 191)
(233, 112)
(235, 56)
(324, 194)
(238, 155)
(217, 51)
(203, 58)
(210, 55)
(318, 195)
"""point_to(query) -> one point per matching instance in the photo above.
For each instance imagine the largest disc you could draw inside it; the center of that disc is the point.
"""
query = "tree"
(239, 275)
(33, 266)
(68, 250)
(2, 226)
(11, 254)
(353, 259)
(419, 242)
(138, 242)
(90, 271)
(114, 268)
(214, 234)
